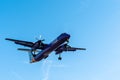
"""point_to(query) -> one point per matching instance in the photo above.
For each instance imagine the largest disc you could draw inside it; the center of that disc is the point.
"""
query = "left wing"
(20, 42)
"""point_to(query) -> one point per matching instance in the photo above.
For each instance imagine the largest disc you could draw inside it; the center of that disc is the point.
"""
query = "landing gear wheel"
(59, 58)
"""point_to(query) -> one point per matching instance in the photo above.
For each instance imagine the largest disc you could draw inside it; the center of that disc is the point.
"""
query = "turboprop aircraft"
(58, 45)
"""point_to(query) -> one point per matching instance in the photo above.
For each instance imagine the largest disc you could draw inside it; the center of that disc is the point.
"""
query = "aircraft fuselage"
(51, 47)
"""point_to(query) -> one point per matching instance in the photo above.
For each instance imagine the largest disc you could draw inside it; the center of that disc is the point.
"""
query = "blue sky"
(93, 24)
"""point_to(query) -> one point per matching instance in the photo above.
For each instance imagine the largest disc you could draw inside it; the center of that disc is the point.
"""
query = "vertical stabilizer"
(31, 57)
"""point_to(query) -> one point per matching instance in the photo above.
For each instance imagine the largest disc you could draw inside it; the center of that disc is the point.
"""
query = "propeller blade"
(40, 38)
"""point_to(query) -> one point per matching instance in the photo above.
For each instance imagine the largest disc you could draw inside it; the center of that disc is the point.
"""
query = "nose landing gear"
(59, 58)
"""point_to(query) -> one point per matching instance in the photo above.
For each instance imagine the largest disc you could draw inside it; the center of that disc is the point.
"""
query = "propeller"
(39, 38)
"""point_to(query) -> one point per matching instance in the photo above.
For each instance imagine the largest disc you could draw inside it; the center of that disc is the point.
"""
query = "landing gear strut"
(59, 58)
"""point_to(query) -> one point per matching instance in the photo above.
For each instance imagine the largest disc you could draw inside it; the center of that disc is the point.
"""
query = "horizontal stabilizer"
(23, 49)
(27, 50)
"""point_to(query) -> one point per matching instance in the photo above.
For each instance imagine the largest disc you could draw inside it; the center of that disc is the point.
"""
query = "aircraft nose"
(68, 36)
(64, 35)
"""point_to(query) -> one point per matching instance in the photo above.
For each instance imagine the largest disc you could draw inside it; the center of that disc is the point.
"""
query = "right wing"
(66, 47)
(20, 42)
(73, 49)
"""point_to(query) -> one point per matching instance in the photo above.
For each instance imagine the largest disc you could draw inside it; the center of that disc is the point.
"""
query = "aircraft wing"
(73, 49)
(20, 42)
(66, 47)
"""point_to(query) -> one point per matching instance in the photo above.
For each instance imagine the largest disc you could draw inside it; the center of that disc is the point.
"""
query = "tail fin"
(31, 57)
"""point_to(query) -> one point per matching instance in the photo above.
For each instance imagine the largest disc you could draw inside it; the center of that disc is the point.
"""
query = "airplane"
(58, 45)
